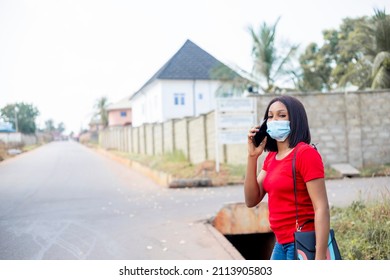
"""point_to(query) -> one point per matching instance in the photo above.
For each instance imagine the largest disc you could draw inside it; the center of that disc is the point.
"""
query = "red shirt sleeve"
(309, 163)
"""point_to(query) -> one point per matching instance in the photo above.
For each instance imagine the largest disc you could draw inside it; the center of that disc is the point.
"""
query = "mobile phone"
(261, 134)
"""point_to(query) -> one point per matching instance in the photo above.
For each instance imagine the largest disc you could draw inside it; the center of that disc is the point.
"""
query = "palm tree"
(381, 65)
(234, 81)
(101, 110)
(268, 66)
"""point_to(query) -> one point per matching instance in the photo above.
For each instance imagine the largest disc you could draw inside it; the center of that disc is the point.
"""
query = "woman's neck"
(283, 146)
(283, 149)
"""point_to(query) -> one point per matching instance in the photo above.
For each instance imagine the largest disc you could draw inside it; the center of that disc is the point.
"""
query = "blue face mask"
(278, 130)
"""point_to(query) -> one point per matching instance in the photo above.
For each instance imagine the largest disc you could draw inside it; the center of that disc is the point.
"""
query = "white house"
(185, 86)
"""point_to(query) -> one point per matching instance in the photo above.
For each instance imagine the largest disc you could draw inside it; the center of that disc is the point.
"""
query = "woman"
(288, 129)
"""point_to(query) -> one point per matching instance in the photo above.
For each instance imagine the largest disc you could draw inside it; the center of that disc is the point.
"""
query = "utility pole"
(16, 119)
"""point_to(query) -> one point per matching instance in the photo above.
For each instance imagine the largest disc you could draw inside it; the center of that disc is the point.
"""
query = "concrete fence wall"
(167, 134)
(17, 138)
(180, 136)
(352, 127)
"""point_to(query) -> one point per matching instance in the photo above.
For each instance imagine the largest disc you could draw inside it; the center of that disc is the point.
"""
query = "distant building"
(95, 124)
(119, 114)
(6, 127)
(186, 86)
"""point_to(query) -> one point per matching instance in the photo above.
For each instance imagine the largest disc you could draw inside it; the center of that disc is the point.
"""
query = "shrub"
(363, 230)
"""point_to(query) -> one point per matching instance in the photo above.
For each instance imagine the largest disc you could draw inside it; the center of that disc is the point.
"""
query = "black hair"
(299, 124)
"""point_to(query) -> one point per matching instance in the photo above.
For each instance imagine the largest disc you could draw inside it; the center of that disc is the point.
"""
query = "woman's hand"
(254, 151)
(253, 184)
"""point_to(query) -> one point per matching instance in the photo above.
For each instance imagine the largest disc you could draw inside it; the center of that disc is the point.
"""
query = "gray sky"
(62, 56)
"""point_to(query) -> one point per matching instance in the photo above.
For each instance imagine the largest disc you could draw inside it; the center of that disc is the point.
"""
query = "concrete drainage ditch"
(247, 229)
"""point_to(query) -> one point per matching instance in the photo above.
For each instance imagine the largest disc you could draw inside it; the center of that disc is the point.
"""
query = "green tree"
(22, 115)
(315, 70)
(271, 66)
(344, 58)
(49, 125)
(233, 83)
(354, 53)
(61, 127)
(101, 110)
(381, 65)
(357, 53)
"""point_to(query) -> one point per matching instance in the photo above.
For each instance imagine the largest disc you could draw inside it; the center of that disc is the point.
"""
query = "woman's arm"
(253, 187)
(319, 198)
(253, 184)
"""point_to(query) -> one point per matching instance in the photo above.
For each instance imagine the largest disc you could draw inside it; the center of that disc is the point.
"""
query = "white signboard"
(233, 136)
(236, 120)
(233, 119)
(236, 104)
(234, 116)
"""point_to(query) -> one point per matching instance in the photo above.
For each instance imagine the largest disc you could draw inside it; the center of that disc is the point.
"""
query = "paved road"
(64, 201)
(343, 192)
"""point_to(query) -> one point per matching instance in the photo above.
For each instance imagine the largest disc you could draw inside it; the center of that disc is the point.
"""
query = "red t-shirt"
(279, 185)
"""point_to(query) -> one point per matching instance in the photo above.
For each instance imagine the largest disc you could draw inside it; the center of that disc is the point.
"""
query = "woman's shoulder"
(309, 162)
(304, 148)
(303, 145)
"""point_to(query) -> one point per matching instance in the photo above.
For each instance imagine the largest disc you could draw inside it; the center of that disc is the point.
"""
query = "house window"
(123, 114)
(179, 99)
(227, 94)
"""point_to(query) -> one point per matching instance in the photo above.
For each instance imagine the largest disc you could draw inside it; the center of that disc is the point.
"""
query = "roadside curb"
(222, 240)
(162, 178)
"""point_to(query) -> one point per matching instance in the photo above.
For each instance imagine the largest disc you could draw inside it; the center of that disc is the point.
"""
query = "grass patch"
(4, 148)
(172, 163)
(30, 147)
(178, 166)
(363, 229)
(331, 173)
(376, 170)
(236, 172)
(3, 153)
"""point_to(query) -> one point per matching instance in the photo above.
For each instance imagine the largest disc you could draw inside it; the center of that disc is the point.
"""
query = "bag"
(305, 246)
(305, 241)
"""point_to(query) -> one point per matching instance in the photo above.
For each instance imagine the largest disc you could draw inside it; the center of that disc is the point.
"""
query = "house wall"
(138, 104)
(157, 102)
(115, 118)
(146, 106)
(349, 127)
(202, 91)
